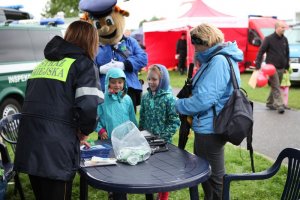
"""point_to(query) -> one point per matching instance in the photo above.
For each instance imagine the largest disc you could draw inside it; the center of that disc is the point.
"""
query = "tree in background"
(152, 19)
(68, 7)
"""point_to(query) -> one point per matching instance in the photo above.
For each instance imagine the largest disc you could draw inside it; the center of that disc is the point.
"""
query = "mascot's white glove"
(118, 64)
(112, 64)
(104, 68)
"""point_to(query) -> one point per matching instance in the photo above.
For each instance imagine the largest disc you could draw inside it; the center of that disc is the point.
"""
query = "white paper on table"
(99, 161)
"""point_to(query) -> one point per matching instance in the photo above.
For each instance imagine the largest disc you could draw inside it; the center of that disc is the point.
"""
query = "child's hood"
(164, 83)
(115, 73)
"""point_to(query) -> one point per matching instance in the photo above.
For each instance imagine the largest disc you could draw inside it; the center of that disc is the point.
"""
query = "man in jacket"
(181, 52)
(276, 47)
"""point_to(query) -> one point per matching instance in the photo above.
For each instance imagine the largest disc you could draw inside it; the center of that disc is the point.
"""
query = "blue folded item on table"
(97, 150)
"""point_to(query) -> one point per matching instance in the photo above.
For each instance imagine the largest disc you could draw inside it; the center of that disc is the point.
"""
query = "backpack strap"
(236, 86)
(234, 83)
(233, 80)
(199, 76)
(205, 67)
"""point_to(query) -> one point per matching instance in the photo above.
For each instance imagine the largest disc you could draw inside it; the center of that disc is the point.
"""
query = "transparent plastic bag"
(129, 145)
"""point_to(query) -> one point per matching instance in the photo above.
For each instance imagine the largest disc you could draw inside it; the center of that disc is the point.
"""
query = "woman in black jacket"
(59, 112)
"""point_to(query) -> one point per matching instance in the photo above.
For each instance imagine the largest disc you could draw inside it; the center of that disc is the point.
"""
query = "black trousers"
(135, 97)
(182, 63)
(211, 147)
(49, 189)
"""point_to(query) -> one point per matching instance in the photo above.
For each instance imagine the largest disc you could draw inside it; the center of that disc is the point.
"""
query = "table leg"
(83, 188)
(149, 196)
(119, 196)
(194, 195)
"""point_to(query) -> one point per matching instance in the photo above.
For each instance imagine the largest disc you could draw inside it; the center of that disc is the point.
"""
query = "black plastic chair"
(9, 132)
(291, 189)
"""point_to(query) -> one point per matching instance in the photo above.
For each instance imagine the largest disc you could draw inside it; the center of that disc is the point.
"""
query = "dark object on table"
(156, 144)
(292, 185)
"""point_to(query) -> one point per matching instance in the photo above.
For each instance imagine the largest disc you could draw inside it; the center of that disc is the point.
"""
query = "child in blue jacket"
(117, 107)
(157, 112)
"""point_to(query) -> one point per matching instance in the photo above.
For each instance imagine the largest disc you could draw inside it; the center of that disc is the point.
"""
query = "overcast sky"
(146, 9)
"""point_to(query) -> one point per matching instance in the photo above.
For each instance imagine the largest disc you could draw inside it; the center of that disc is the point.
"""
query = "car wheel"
(9, 107)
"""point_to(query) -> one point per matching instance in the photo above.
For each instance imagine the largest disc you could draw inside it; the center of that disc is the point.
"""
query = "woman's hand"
(82, 138)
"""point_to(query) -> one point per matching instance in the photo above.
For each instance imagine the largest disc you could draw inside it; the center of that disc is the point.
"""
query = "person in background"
(117, 107)
(157, 113)
(141, 44)
(127, 33)
(212, 87)
(59, 112)
(181, 53)
(276, 47)
(284, 87)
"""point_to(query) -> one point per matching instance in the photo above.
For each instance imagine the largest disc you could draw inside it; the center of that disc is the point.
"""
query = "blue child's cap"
(97, 8)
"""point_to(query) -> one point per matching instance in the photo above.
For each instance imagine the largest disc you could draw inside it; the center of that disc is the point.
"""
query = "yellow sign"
(57, 70)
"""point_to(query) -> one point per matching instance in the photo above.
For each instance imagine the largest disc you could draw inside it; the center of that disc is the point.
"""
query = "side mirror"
(256, 42)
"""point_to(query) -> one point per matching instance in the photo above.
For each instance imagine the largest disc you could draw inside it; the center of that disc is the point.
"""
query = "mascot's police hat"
(97, 8)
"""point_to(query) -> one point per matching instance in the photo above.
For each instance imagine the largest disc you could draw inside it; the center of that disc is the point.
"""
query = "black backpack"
(235, 121)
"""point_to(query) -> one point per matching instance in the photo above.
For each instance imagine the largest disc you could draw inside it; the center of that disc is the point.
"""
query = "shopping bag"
(253, 79)
(129, 144)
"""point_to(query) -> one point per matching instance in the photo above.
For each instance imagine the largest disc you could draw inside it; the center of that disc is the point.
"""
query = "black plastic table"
(165, 171)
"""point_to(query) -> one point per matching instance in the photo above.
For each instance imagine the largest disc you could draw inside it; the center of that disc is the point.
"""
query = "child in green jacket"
(157, 112)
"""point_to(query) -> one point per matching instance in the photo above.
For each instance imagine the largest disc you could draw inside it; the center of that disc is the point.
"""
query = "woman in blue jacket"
(211, 87)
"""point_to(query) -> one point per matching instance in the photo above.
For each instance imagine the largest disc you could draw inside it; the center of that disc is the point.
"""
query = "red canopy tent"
(161, 36)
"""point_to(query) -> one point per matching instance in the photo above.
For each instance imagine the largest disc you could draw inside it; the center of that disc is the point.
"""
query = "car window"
(12, 14)
(15, 46)
(293, 35)
(15, 14)
(39, 40)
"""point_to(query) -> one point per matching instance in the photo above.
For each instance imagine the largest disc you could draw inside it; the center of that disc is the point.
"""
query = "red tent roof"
(200, 9)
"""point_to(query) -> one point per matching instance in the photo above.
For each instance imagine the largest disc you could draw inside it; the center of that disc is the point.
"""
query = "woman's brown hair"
(84, 35)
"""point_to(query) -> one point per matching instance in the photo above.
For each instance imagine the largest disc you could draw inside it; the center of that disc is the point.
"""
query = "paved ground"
(272, 131)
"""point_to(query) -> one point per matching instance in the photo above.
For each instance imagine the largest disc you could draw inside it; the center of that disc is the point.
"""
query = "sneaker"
(280, 110)
(271, 107)
(286, 107)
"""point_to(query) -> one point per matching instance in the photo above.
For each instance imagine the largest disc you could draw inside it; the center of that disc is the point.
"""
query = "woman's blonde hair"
(84, 35)
(208, 33)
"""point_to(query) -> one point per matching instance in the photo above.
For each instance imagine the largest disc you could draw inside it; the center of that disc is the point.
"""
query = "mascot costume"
(115, 49)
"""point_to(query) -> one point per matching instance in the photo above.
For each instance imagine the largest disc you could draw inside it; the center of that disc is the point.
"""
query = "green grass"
(257, 94)
(237, 160)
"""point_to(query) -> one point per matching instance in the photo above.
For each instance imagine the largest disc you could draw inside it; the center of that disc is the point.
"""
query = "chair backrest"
(9, 127)
(292, 184)
(291, 189)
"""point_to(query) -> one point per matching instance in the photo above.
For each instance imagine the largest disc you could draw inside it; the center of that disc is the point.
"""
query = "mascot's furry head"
(106, 17)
